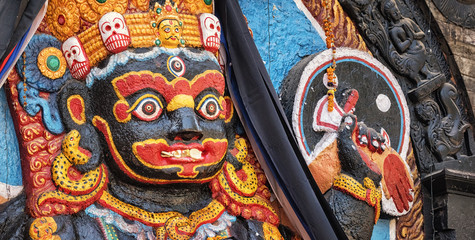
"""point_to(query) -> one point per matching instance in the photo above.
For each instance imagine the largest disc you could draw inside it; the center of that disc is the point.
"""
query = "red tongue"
(351, 102)
(84, 151)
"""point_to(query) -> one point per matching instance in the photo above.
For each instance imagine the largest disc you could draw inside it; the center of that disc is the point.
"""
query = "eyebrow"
(132, 82)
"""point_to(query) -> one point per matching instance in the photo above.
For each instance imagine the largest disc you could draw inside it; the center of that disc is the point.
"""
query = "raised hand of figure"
(397, 182)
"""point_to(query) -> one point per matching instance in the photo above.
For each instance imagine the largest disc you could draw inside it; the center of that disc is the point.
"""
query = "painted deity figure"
(148, 149)
(361, 170)
(168, 24)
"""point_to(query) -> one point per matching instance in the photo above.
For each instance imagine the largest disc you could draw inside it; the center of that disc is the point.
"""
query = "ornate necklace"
(171, 224)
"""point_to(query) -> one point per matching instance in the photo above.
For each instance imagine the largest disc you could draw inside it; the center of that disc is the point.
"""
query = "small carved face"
(169, 31)
(392, 11)
(163, 127)
(43, 228)
(76, 58)
(114, 32)
(210, 32)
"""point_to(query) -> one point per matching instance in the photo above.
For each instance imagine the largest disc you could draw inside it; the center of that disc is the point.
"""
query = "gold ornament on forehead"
(167, 25)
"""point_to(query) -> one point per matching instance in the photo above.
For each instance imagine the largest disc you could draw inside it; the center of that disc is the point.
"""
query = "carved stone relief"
(395, 31)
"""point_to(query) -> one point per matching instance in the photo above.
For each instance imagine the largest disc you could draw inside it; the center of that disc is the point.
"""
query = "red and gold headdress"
(88, 25)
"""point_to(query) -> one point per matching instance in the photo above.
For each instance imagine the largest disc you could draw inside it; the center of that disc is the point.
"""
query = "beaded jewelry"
(330, 79)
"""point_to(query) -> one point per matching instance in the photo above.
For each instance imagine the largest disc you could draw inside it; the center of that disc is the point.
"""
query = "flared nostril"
(187, 136)
(185, 126)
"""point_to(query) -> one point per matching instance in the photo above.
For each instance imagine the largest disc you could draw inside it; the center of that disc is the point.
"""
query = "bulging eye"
(147, 108)
(209, 107)
(176, 66)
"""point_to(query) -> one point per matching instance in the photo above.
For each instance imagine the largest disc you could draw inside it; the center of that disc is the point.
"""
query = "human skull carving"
(114, 32)
(210, 32)
(76, 57)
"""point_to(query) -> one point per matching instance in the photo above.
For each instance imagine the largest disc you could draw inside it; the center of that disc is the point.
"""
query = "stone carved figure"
(406, 36)
(399, 39)
(446, 133)
(401, 43)
(149, 148)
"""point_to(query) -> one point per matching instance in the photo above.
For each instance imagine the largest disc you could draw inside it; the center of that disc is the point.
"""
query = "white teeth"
(193, 153)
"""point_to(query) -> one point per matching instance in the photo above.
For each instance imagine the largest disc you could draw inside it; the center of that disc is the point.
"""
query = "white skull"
(210, 32)
(76, 58)
(114, 32)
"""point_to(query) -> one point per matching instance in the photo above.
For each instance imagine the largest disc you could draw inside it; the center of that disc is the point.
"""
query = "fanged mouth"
(158, 154)
(193, 153)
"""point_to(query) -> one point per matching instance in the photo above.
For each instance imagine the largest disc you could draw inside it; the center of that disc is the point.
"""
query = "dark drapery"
(268, 128)
(16, 17)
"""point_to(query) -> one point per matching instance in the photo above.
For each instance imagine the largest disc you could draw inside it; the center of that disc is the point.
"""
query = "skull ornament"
(210, 32)
(76, 57)
(114, 32)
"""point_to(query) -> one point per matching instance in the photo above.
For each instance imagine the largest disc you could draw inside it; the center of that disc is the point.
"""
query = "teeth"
(166, 154)
(193, 153)
(185, 152)
(116, 41)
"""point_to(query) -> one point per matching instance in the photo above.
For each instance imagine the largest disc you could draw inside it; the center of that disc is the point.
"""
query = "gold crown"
(165, 11)
(66, 19)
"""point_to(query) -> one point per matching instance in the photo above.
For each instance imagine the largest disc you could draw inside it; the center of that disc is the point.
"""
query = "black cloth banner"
(16, 16)
(264, 118)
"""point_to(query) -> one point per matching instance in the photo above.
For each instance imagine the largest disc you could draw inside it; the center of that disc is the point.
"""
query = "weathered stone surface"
(462, 44)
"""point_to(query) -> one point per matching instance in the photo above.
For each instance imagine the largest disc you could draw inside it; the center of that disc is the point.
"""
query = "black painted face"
(163, 119)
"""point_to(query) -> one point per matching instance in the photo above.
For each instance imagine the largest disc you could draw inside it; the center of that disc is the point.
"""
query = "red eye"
(117, 25)
(148, 109)
(74, 52)
(210, 108)
(108, 28)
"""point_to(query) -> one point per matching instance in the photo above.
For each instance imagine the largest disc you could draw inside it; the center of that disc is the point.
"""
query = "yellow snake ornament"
(72, 188)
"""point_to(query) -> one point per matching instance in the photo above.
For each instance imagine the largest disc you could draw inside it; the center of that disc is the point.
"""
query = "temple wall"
(461, 40)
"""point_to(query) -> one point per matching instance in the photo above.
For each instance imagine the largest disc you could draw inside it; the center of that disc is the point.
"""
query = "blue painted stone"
(10, 165)
(381, 230)
(283, 38)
